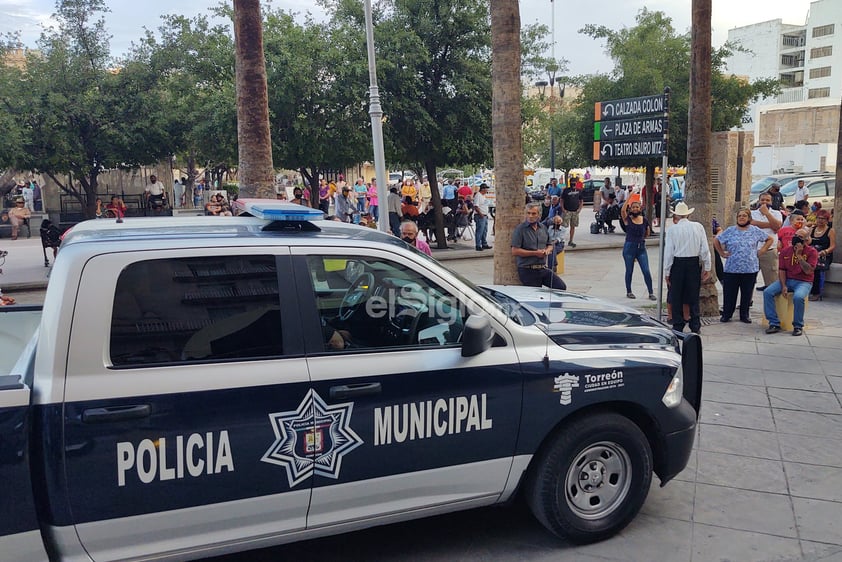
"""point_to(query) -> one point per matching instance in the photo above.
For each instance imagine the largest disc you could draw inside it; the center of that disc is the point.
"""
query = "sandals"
(630, 296)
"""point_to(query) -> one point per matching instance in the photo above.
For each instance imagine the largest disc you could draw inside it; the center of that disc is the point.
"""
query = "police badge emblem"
(312, 439)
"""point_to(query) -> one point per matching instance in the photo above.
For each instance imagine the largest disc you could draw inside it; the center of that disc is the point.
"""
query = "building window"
(823, 30)
(196, 309)
(821, 52)
(821, 72)
(818, 93)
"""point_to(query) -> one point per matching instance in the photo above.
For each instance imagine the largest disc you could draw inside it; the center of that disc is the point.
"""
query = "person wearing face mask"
(741, 246)
(409, 234)
(796, 270)
(298, 197)
(634, 249)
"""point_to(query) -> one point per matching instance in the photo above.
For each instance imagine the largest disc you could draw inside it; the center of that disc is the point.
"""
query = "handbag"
(824, 262)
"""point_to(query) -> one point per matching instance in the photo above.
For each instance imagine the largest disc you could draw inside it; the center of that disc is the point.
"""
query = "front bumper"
(677, 445)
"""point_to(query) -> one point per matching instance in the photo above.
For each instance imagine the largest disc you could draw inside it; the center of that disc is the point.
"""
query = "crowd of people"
(790, 250)
(409, 201)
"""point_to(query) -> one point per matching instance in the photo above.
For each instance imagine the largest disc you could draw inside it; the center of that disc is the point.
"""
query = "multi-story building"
(796, 130)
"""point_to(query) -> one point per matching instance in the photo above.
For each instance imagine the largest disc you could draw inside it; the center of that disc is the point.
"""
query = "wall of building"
(788, 125)
(770, 160)
(824, 13)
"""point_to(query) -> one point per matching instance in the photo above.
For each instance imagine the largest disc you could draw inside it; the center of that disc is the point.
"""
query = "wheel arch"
(636, 413)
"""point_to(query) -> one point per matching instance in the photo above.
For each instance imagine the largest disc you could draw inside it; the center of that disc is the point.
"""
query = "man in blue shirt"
(448, 195)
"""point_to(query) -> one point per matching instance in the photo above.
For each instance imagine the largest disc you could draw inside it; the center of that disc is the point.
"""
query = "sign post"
(664, 186)
(636, 129)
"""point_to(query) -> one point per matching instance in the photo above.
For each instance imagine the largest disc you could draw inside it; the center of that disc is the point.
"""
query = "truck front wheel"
(592, 479)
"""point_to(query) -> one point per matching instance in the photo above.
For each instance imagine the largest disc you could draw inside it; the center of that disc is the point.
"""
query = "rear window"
(196, 309)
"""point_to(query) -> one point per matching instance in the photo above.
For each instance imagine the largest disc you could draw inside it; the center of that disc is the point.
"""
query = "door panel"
(169, 401)
(431, 426)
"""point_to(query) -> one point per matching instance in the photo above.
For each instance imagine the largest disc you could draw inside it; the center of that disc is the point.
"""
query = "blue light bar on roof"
(272, 210)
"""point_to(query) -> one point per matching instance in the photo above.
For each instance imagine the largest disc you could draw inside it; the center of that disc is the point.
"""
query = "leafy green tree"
(651, 55)
(74, 114)
(317, 78)
(434, 73)
(194, 64)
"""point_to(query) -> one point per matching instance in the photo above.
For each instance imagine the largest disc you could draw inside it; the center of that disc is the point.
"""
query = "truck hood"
(573, 320)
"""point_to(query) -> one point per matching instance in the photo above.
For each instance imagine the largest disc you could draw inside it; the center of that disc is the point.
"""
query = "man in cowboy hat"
(686, 264)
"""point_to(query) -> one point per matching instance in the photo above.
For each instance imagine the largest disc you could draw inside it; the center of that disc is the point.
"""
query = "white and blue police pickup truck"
(203, 385)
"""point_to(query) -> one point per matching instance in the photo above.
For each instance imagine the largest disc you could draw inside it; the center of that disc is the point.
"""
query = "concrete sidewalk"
(24, 267)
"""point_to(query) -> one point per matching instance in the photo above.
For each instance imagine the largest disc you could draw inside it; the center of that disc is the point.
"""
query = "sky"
(127, 19)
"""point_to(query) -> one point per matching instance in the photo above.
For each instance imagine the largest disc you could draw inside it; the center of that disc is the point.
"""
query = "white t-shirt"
(801, 193)
(481, 204)
(156, 188)
(756, 215)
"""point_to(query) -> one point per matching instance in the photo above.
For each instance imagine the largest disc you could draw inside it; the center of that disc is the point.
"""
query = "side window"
(196, 309)
(368, 303)
(818, 189)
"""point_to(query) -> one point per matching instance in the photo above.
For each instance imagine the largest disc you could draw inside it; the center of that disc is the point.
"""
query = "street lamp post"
(542, 85)
(376, 113)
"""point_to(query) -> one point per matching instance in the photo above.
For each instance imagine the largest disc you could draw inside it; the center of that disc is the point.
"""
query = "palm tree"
(506, 133)
(699, 135)
(256, 173)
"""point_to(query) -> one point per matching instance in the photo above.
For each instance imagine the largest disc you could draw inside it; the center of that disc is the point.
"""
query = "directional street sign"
(629, 107)
(631, 128)
(628, 128)
(629, 149)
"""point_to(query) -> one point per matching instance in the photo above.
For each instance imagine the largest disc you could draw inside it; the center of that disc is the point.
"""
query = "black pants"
(720, 269)
(731, 284)
(685, 281)
(540, 277)
(395, 223)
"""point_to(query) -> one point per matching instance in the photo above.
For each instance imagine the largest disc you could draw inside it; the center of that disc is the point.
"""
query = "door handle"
(355, 390)
(116, 413)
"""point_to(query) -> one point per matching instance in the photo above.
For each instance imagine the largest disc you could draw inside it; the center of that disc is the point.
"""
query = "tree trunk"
(257, 175)
(699, 139)
(506, 134)
(441, 237)
(192, 174)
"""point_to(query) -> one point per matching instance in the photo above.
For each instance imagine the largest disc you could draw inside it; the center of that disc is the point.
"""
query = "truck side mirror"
(477, 335)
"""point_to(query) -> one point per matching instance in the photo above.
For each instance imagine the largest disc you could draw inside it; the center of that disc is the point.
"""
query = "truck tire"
(592, 479)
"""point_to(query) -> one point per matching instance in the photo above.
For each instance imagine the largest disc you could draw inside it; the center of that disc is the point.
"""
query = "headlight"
(672, 397)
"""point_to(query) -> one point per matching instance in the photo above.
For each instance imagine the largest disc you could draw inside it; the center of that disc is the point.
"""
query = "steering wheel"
(359, 291)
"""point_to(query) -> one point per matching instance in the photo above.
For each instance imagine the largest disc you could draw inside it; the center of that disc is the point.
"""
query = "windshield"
(762, 185)
(789, 188)
(506, 305)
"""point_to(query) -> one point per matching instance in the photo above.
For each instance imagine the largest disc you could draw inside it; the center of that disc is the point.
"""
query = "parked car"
(822, 189)
(760, 186)
(590, 187)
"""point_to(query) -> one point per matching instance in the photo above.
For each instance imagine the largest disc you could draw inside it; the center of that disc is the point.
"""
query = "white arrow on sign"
(607, 107)
(607, 146)
(607, 130)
